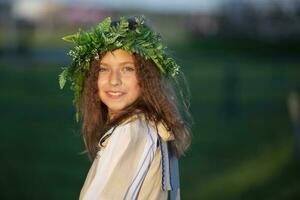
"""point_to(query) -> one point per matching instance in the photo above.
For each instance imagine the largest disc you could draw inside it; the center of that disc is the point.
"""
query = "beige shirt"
(129, 164)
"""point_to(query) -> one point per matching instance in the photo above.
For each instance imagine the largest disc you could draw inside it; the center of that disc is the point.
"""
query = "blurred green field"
(243, 144)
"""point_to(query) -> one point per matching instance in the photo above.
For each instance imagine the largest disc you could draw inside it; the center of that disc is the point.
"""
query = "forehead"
(117, 56)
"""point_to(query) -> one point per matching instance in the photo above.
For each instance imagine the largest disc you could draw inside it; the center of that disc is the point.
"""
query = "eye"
(128, 68)
(103, 69)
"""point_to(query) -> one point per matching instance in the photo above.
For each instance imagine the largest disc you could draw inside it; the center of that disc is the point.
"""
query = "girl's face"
(117, 81)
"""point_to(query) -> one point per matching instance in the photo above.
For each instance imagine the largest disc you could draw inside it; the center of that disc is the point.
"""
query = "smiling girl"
(133, 129)
(117, 81)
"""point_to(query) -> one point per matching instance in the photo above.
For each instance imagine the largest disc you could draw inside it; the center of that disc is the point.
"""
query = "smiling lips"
(115, 94)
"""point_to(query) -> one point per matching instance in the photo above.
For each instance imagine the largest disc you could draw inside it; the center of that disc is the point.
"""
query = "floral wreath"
(105, 37)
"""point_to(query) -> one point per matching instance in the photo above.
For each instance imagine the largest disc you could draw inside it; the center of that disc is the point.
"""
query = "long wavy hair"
(157, 101)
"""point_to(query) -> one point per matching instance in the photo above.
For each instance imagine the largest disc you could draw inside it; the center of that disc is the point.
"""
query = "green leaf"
(62, 78)
(123, 25)
(84, 38)
(104, 25)
(71, 38)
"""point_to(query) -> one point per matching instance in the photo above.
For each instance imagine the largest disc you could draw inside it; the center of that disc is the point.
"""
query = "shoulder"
(137, 128)
(134, 130)
(139, 123)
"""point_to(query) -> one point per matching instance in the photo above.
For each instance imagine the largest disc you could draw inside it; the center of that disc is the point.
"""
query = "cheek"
(101, 81)
(137, 89)
(137, 92)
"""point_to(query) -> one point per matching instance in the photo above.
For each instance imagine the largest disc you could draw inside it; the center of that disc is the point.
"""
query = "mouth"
(115, 94)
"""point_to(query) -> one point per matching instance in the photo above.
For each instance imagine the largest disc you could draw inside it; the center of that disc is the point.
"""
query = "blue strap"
(170, 181)
(174, 194)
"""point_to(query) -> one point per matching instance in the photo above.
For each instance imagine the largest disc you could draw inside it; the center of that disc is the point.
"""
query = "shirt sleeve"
(124, 162)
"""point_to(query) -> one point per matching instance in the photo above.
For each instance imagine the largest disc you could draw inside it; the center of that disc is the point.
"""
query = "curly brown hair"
(157, 101)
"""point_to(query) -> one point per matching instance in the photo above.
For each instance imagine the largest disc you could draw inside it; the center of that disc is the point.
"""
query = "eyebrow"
(121, 63)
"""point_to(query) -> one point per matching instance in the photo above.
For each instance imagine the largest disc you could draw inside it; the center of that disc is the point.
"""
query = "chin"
(116, 109)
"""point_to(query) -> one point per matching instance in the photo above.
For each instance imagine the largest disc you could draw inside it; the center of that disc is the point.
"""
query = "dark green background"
(243, 143)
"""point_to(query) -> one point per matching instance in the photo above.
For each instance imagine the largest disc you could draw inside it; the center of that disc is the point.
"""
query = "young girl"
(132, 126)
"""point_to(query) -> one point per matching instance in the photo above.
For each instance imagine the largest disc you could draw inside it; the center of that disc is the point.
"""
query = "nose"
(115, 78)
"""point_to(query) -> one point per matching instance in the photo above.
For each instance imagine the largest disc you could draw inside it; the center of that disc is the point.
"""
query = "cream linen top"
(133, 163)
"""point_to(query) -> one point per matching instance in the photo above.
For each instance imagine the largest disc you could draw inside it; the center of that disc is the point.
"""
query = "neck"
(111, 115)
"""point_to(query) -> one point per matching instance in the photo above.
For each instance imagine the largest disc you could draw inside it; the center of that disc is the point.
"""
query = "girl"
(132, 126)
